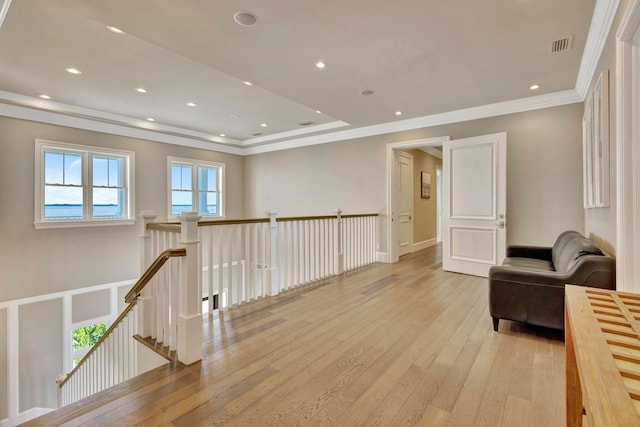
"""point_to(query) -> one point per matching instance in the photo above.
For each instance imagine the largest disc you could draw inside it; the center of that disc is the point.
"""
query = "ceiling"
(420, 58)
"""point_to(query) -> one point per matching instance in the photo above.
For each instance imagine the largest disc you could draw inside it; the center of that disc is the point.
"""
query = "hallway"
(390, 344)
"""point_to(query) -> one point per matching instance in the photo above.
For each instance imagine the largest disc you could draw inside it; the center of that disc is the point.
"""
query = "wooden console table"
(602, 338)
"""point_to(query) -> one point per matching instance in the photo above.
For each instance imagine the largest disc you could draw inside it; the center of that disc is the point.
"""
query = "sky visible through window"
(64, 190)
(183, 197)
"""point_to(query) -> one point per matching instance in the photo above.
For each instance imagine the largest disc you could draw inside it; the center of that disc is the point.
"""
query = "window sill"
(82, 223)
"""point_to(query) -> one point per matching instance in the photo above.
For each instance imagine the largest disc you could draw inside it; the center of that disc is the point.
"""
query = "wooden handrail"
(151, 271)
(175, 226)
(131, 299)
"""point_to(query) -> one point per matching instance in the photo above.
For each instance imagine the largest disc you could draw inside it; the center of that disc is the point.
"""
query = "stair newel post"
(146, 305)
(189, 314)
(272, 263)
(337, 238)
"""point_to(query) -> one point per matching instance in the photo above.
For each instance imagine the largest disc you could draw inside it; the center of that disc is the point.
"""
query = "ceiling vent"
(256, 134)
(561, 45)
(307, 123)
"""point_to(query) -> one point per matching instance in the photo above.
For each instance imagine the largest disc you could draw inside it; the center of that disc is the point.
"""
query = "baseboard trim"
(382, 257)
(25, 416)
(423, 245)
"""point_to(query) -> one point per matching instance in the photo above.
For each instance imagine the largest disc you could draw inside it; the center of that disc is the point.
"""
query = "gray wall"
(544, 173)
(37, 262)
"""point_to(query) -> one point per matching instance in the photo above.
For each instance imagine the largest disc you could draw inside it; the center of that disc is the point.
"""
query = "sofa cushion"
(528, 263)
(575, 248)
(559, 245)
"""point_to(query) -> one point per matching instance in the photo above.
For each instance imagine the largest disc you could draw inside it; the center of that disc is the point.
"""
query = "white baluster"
(272, 262)
(231, 291)
(175, 298)
(220, 245)
(338, 248)
(210, 245)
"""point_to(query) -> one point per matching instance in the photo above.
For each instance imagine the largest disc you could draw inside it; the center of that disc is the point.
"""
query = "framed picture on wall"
(595, 145)
(425, 185)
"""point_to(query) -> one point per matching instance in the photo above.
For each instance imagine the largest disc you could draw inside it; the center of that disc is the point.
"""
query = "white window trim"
(222, 185)
(129, 177)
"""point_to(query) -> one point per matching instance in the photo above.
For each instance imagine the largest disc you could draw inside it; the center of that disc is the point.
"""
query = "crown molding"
(38, 110)
(294, 133)
(32, 114)
(490, 110)
(4, 10)
(601, 21)
(101, 116)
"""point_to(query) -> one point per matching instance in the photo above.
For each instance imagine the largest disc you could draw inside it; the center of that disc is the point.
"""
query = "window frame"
(195, 164)
(87, 153)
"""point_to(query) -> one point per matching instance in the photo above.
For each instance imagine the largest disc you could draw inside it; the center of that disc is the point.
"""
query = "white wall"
(37, 262)
(544, 173)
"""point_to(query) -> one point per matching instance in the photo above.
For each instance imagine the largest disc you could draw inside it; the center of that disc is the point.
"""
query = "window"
(84, 338)
(195, 187)
(78, 186)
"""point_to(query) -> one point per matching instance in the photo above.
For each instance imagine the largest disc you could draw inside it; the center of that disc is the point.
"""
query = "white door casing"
(627, 149)
(391, 229)
(405, 202)
(474, 203)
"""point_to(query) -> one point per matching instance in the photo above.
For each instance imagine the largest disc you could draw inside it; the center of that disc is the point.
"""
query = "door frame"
(392, 230)
(627, 158)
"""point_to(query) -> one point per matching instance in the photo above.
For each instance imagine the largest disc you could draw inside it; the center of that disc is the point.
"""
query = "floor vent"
(561, 45)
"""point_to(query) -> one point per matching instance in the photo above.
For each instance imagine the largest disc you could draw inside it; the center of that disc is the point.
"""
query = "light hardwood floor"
(388, 345)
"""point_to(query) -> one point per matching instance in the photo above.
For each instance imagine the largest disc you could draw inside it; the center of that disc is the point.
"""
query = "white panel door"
(405, 202)
(474, 203)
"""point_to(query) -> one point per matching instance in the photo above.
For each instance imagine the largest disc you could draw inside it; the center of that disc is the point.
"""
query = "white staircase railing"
(231, 262)
(244, 260)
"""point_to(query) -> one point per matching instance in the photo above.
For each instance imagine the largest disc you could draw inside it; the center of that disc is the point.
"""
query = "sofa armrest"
(521, 251)
(528, 277)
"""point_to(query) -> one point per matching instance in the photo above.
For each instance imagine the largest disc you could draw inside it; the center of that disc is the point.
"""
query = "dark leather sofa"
(529, 285)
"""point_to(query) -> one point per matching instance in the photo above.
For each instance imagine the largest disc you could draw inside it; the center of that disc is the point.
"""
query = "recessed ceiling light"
(223, 135)
(246, 19)
(264, 125)
(151, 119)
(534, 87)
(398, 113)
(191, 104)
(318, 111)
(320, 64)
(141, 90)
(43, 96)
(114, 30)
(367, 92)
(248, 83)
(73, 70)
